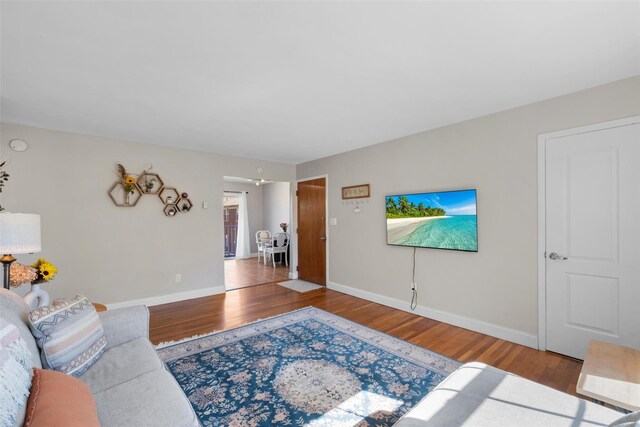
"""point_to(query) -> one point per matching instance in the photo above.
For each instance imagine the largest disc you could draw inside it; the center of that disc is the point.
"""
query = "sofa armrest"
(125, 324)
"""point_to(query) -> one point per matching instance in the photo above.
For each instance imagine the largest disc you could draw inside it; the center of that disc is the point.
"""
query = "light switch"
(333, 221)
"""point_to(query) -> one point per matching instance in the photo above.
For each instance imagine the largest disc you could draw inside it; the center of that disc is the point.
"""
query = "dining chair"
(279, 246)
(263, 240)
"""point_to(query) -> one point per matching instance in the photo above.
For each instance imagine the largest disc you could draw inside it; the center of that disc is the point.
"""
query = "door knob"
(556, 256)
(323, 238)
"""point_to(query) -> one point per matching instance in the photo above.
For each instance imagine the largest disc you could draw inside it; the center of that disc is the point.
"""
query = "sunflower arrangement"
(44, 271)
(128, 182)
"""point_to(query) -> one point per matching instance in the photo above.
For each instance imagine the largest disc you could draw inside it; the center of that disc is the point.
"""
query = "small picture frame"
(356, 192)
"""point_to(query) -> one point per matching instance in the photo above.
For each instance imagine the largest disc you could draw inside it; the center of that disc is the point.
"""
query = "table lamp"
(19, 234)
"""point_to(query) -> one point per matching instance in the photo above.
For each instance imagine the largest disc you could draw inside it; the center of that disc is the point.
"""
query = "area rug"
(307, 367)
(300, 285)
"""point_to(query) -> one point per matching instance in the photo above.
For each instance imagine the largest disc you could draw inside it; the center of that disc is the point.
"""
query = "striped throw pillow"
(69, 335)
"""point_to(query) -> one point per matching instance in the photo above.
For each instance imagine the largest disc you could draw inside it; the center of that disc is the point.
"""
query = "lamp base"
(6, 261)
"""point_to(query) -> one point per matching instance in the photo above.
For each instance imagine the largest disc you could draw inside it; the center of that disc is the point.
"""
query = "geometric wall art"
(129, 189)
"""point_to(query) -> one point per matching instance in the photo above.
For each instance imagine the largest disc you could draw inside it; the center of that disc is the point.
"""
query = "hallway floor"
(242, 273)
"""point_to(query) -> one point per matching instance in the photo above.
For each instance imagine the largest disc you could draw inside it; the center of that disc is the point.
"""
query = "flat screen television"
(442, 220)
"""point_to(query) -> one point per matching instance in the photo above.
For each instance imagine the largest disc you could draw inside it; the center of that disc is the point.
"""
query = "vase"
(36, 297)
(127, 198)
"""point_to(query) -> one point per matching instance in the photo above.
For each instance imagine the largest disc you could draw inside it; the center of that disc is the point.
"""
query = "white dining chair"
(279, 246)
(263, 240)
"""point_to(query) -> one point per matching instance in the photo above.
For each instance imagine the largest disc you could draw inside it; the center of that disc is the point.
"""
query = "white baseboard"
(164, 299)
(251, 255)
(518, 337)
(293, 275)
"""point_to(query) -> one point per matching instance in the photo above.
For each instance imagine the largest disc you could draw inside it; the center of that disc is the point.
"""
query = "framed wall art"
(356, 191)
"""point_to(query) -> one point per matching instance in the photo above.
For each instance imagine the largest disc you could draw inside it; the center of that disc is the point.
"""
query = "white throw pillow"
(14, 387)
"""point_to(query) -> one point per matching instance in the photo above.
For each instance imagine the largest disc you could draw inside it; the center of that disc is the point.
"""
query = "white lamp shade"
(19, 233)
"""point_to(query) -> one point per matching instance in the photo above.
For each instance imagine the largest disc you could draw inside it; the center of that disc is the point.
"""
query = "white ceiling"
(295, 81)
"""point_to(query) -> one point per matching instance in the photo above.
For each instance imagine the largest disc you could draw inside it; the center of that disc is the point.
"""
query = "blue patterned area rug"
(307, 367)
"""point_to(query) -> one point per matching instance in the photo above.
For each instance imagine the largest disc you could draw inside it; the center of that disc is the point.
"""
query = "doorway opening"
(230, 203)
(250, 207)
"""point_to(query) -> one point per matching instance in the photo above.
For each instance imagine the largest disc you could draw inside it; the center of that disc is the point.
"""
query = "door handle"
(323, 238)
(556, 256)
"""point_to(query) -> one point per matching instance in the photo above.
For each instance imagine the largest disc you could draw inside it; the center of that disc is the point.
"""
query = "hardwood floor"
(220, 312)
(240, 273)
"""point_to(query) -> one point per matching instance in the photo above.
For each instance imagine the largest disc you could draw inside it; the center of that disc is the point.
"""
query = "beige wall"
(116, 254)
(497, 155)
(277, 203)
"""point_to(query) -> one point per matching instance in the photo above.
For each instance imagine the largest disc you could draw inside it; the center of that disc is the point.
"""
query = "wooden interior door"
(312, 238)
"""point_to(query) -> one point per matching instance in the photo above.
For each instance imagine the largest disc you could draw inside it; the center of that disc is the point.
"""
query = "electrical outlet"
(178, 278)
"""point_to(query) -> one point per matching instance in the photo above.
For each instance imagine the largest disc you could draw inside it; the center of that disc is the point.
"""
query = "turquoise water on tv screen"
(456, 232)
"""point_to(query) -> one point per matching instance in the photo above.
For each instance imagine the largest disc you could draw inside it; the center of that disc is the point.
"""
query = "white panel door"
(593, 239)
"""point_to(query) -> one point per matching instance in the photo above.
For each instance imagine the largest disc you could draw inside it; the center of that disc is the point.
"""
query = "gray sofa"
(129, 383)
(479, 395)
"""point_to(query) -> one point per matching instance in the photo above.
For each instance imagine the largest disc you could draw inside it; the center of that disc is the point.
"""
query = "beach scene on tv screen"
(445, 220)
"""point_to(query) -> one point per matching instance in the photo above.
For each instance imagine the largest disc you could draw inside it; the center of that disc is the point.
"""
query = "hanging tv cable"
(414, 291)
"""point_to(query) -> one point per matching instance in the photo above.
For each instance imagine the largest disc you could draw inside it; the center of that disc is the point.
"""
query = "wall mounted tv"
(443, 220)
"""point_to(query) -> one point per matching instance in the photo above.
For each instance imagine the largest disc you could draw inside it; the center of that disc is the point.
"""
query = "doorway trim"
(543, 140)
(326, 222)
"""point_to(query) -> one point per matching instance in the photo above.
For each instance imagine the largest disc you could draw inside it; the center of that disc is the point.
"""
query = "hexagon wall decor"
(121, 198)
(170, 210)
(184, 205)
(169, 195)
(149, 183)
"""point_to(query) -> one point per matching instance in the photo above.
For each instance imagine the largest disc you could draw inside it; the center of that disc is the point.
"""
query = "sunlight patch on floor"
(355, 409)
